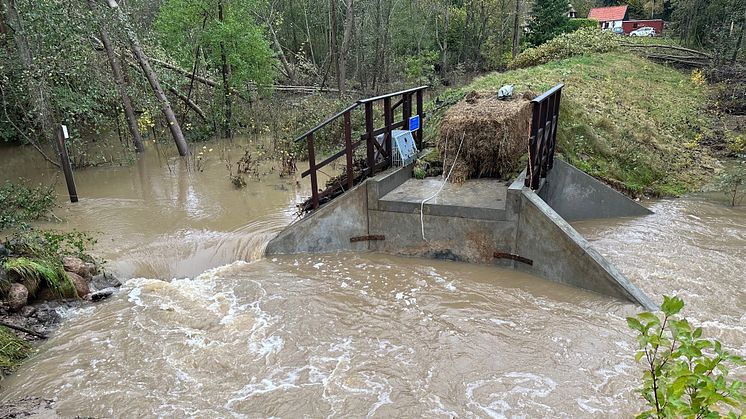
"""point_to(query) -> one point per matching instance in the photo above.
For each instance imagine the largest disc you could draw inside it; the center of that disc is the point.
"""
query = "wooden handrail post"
(348, 148)
(369, 135)
(418, 134)
(388, 118)
(312, 169)
(67, 168)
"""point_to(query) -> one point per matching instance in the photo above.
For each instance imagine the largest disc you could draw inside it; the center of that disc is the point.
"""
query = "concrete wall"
(329, 228)
(562, 255)
(576, 196)
(447, 237)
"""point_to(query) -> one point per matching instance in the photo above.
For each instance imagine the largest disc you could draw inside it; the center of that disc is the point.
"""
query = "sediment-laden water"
(354, 335)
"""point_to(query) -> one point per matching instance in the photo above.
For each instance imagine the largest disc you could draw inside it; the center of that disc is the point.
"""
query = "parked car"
(644, 31)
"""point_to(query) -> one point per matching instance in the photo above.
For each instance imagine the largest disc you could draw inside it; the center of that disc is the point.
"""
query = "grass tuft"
(13, 351)
(35, 272)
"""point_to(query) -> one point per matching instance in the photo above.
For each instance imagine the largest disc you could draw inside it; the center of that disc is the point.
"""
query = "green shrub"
(685, 375)
(580, 42)
(50, 244)
(732, 182)
(22, 203)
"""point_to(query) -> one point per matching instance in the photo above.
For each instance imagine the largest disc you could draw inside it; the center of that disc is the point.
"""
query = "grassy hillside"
(635, 124)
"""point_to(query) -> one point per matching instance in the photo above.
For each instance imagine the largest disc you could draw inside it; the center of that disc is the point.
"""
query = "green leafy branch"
(685, 375)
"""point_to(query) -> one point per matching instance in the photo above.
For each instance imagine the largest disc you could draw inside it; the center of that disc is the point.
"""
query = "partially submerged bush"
(580, 42)
(685, 374)
(22, 203)
(50, 244)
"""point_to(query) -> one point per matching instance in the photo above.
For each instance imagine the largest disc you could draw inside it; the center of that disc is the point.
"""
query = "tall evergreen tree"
(549, 18)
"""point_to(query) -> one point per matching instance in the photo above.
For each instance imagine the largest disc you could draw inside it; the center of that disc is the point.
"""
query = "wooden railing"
(543, 136)
(368, 137)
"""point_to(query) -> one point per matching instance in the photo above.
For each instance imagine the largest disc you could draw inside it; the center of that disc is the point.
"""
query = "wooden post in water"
(67, 169)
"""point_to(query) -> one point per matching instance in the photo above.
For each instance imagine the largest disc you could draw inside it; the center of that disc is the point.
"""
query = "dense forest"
(198, 66)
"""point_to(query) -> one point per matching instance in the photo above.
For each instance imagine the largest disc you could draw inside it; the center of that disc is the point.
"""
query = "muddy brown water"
(206, 327)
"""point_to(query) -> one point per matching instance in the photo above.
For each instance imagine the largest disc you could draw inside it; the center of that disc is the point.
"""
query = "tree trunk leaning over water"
(116, 69)
(142, 59)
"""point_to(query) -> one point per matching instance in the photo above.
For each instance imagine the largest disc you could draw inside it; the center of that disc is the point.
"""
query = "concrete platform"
(483, 199)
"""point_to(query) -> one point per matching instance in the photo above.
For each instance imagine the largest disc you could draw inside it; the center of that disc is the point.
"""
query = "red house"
(609, 17)
(631, 25)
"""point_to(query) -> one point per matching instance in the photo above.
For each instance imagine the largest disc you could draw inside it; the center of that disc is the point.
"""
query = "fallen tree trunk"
(688, 61)
(692, 51)
(188, 102)
(186, 73)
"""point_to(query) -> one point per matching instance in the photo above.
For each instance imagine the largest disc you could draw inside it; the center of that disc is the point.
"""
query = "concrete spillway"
(481, 221)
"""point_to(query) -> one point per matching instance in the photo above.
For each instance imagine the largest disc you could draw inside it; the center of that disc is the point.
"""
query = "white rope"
(422, 204)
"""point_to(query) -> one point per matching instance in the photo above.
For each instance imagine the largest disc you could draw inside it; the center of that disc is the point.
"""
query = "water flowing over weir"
(352, 335)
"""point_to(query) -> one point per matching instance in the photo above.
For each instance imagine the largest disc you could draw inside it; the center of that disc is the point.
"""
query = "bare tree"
(516, 29)
(344, 48)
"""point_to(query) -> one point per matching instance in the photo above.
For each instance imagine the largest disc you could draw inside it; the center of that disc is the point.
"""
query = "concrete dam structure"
(522, 225)
(481, 221)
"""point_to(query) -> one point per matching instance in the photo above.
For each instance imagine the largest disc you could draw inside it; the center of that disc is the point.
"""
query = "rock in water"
(81, 285)
(102, 294)
(17, 297)
(103, 281)
(76, 266)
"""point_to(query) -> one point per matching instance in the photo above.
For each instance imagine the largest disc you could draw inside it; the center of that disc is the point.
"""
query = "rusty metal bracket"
(374, 237)
(501, 255)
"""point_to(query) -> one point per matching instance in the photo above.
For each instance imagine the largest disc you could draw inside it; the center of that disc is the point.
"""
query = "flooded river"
(206, 327)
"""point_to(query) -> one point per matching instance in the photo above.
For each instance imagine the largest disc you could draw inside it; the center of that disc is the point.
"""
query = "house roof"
(606, 14)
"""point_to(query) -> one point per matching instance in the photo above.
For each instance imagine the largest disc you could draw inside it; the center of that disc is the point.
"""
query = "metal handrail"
(389, 95)
(328, 121)
(368, 137)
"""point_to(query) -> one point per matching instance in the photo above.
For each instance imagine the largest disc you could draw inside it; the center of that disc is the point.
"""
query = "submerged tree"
(224, 33)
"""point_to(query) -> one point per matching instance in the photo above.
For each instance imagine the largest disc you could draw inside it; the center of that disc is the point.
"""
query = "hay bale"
(494, 132)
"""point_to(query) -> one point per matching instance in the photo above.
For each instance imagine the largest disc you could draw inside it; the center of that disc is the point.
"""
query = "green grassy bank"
(633, 123)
